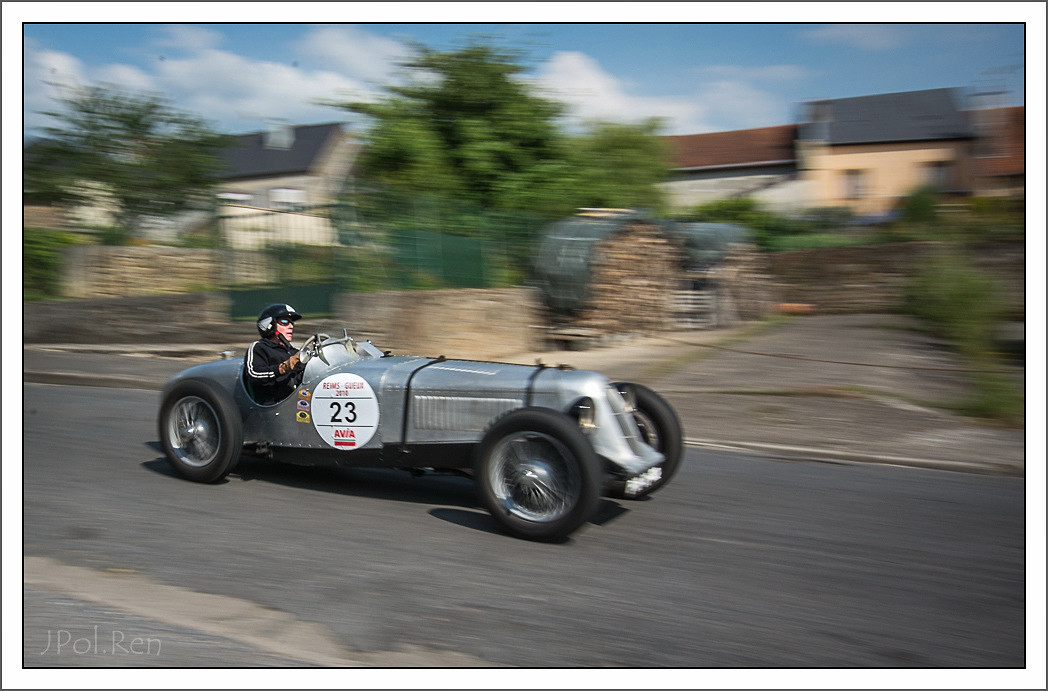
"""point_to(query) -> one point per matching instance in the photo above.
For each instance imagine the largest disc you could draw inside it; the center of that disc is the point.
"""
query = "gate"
(279, 256)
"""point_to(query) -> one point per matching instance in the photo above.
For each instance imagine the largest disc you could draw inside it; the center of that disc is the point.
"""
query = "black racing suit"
(261, 363)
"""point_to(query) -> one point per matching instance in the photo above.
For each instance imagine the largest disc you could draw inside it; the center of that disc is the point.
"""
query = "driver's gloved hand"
(289, 364)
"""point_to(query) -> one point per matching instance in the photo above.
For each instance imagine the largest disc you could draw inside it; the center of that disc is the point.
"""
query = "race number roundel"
(345, 411)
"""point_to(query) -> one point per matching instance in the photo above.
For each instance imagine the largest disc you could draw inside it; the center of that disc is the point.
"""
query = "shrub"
(962, 305)
(960, 302)
(920, 206)
(42, 262)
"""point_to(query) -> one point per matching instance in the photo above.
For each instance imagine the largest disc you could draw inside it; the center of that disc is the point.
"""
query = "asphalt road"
(740, 562)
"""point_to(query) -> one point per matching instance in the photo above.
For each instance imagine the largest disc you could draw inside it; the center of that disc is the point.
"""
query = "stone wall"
(186, 317)
(107, 271)
(871, 279)
(482, 324)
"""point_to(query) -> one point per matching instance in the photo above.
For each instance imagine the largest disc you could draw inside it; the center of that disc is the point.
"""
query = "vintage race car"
(542, 443)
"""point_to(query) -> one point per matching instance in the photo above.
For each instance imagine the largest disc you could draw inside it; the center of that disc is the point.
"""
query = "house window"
(939, 174)
(854, 184)
(234, 197)
(287, 198)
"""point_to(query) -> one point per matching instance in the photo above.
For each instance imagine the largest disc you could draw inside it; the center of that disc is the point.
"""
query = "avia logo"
(345, 437)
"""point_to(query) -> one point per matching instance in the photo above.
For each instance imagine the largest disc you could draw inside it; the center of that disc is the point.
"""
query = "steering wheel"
(313, 346)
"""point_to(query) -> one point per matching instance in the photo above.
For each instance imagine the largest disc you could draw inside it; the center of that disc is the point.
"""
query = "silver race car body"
(538, 439)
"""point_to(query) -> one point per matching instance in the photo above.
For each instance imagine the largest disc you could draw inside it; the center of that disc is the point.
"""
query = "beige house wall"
(252, 228)
(889, 171)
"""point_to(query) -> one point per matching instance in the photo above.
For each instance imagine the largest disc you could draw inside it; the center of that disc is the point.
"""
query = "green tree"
(131, 152)
(621, 165)
(467, 125)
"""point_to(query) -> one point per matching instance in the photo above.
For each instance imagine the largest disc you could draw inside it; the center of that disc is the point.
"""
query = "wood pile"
(633, 275)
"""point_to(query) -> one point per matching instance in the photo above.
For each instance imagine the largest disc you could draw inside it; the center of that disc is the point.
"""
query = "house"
(862, 153)
(278, 184)
(759, 163)
(1000, 152)
(287, 168)
(866, 153)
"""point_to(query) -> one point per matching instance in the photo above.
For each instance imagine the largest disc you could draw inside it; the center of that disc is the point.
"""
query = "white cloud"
(728, 98)
(592, 94)
(222, 86)
(355, 53)
(233, 92)
(740, 105)
(126, 76)
(868, 36)
(45, 74)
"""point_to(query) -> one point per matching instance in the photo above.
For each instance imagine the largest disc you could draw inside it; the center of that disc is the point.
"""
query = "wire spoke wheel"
(194, 431)
(200, 429)
(534, 477)
(538, 475)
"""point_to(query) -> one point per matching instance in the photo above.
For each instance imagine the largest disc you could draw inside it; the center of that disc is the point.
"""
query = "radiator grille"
(467, 414)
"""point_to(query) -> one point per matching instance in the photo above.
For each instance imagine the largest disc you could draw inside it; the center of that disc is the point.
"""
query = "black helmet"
(267, 318)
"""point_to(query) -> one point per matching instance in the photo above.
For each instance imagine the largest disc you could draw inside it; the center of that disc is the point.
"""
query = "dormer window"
(281, 136)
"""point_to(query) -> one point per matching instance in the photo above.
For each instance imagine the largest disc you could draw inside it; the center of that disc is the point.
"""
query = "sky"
(701, 67)
(696, 77)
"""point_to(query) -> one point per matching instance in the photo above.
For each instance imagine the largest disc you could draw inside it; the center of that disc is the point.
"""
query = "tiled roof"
(737, 148)
(1007, 145)
(250, 157)
(928, 115)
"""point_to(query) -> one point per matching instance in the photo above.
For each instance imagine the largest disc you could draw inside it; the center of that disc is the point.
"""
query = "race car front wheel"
(659, 428)
(537, 474)
(200, 430)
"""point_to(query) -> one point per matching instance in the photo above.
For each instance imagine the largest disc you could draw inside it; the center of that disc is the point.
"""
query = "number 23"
(348, 410)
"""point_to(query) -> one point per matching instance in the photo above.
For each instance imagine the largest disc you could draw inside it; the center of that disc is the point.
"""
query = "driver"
(271, 364)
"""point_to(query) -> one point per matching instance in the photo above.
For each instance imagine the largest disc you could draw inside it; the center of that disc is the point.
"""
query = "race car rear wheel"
(200, 430)
(661, 430)
(537, 474)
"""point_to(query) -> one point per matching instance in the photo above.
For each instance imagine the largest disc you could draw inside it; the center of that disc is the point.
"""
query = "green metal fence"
(372, 240)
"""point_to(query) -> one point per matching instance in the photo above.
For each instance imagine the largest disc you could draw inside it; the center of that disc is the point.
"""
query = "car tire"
(660, 428)
(200, 430)
(537, 474)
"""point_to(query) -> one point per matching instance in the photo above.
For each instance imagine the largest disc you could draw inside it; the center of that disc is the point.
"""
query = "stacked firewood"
(632, 277)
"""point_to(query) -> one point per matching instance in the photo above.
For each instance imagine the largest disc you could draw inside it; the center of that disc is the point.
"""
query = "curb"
(812, 454)
(115, 381)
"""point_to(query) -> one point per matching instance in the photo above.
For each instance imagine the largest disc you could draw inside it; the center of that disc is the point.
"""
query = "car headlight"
(585, 413)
